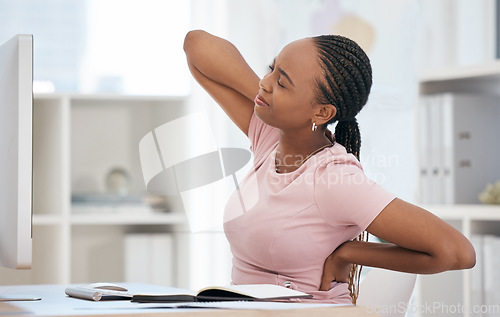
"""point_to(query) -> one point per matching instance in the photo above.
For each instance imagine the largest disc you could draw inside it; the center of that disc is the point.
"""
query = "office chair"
(386, 292)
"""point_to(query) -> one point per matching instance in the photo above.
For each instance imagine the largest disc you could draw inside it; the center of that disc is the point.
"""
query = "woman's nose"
(264, 84)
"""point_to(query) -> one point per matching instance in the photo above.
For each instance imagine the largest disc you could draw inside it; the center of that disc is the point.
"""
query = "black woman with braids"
(301, 214)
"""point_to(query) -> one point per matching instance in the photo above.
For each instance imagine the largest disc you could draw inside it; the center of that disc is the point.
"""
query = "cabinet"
(455, 293)
(460, 293)
(78, 140)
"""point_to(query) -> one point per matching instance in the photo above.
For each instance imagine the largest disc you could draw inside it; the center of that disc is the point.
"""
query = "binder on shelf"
(485, 289)
(491, 265)
(458, 146)
(430, 148)
(436, 148)
(149, 258)
(424, 150)
(477, 272)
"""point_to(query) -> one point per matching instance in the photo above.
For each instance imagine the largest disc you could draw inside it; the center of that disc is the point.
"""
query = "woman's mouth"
(260, 101)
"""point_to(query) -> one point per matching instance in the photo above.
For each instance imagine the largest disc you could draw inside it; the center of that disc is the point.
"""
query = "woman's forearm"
(393, 257)
(219, 60)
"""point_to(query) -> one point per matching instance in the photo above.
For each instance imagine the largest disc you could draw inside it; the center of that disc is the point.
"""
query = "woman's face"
(286, 98)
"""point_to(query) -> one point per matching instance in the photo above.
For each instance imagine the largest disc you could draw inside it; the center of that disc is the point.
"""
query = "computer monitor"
(16, 152)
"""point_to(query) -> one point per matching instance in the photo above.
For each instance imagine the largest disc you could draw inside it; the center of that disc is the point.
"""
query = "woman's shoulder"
(344, 194)
(337, 158)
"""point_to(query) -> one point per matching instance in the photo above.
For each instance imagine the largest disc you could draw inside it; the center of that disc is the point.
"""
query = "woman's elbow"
(188, 41)
(467, 257)
(191, 39)
(458, 255)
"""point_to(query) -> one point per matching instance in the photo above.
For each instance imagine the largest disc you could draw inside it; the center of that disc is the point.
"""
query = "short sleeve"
(263, 138)
(345, 196)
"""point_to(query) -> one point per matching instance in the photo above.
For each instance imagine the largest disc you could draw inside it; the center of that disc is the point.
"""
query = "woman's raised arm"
(221, 70)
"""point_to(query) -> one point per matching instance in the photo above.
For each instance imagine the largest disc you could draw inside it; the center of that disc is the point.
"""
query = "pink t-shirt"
(281, 227)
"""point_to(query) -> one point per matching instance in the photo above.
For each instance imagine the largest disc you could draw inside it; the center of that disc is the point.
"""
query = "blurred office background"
(134, 48)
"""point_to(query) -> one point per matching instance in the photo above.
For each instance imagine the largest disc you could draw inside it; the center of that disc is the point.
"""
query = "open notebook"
(251, 292)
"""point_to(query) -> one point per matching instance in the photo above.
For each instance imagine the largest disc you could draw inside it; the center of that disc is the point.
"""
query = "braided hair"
(346, 86)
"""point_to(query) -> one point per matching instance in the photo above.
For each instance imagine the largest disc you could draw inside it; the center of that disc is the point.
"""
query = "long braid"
(347, 84)
(355, 272)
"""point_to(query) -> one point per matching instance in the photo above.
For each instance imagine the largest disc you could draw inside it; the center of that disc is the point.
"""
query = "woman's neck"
(294, 149)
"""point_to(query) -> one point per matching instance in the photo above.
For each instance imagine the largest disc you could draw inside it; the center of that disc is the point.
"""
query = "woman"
(307, 199)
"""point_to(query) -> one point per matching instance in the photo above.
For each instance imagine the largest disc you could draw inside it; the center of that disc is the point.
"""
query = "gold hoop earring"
(314, 127)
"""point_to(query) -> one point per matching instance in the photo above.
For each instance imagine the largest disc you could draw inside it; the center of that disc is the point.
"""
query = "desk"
(55, 303)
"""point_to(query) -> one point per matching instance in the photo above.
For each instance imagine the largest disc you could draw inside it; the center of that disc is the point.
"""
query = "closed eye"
(271, 68)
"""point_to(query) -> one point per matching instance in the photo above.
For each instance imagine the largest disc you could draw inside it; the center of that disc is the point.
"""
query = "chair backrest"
(386, 292)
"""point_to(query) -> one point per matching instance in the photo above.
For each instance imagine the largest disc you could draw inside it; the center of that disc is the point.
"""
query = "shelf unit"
(482, 78)
(453, 290)
(77, 138)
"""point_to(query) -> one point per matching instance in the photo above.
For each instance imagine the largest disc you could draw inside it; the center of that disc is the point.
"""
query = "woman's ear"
(324, 113)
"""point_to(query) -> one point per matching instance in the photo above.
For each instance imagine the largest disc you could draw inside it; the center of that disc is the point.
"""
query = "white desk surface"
(54, 302)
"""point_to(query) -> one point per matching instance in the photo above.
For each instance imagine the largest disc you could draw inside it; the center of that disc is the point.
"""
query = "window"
(104, 46)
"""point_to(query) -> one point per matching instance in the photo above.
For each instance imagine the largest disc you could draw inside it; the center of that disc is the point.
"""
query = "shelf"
(71, 155)
(113, 218)
(487, 70)
(107, 97)
(128, 218)
(472, 220)
(47, 220)
(470, 212)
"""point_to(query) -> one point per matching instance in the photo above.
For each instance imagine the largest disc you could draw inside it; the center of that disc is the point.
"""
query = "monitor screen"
(16, 110)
